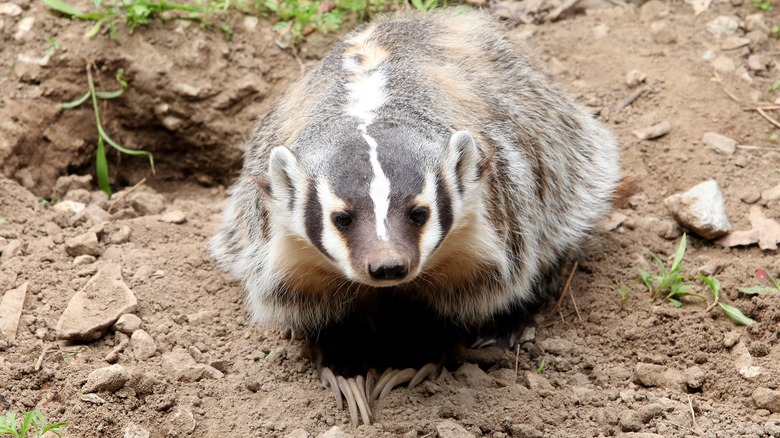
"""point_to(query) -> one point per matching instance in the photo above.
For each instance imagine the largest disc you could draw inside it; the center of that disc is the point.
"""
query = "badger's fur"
(425, 169)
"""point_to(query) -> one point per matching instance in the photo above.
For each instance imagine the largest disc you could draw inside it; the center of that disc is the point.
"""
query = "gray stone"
(695, 377)
(93, 398)
(648, 412)
(111, 378)
(635, 78)
(83, 244)
(69, 207)
(143, 345)
(146, 203)
(84, 260)
(723, 26)
(11, 250)
(720, 143)
(180, 421)
(121, 236)
(173, 217)
(197, 372)
(537, 383)
(653, 132)
(557, 346)
(451, 429)
(731, 338)
(768, 399)
(472, 376)
(128, 323)
(652, 375)
(334, 432)
(701, 210)
(67, 183)
(10, 9)
(91, 215)
(133, 430)
(11, 312)
(97, 305)
(630, 421)
(176, 360)
(751, 195)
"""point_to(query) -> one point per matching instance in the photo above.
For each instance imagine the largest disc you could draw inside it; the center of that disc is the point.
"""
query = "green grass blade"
(713, 284)
(101, 168)
(60, 6)
(735, 314)
(93, 30)
(75, 103)
(675, 303)
(679, 254)
(647, 279)
(124, 150)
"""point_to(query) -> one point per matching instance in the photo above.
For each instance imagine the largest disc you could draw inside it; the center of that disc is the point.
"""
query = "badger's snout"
(388, 269)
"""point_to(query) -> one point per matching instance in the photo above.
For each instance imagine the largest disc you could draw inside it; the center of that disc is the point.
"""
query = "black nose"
(388, 271)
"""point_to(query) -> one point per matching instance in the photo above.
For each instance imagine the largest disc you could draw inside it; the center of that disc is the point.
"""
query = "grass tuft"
(32, 422)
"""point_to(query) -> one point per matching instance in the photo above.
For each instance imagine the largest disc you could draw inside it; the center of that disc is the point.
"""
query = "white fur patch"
(366, 95)
(431, 234)
(332, 239)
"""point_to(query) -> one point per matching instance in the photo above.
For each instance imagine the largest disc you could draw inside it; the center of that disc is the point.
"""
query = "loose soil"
(605, 369)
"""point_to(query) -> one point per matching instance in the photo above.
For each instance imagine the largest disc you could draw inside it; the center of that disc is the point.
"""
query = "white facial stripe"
(431, 234)
(332, 239)
(366, 95)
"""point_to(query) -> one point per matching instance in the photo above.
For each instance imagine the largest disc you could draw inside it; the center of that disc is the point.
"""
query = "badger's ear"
(284, 174)
(464, 156)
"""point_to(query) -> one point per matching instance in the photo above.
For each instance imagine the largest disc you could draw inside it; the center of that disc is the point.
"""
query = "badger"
(424, 185)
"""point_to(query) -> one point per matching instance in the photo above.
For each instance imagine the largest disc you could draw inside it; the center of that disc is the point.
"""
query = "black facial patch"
(313, 219)
(444, 207)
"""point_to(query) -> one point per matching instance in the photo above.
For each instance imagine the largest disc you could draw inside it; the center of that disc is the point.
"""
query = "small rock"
(772, 194)
(298, 433)
(146, 203)
(91, 216)
(111, 378)
(720, 143)
(202, 317)
(529, 335)
(751, 195)
(663, 33)
(97, 305)
(629, 421)
(701, 210)
(724, 64)
(10, 9)
(730, 339)
(537, 383)
(334, 432)
(768, 399)
(451, 429)
(558, 346)
(93, 398)
(472, 376)
(652, 375)
(84, 260)
(756, 22)
(133, 430)
(176, 360)
(173, 217)
(180, 421)
(11, 250)
(23, 28)
(11, 307)
(82, 196)
(83, 244)
(758, 63)
(695, 377)
(653, 9)
(70, 207)
(635, 78)
(121, 236)
(601, 31)
(750, 372)
(67, 183)
(734, 42)
(723, 26)
(197, 372)
(653, 132)
(250, 23)
(143, 345)
(648, 412)
(128, 323)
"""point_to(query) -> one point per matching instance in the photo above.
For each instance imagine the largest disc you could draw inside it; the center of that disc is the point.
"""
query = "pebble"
(84, 260)
(111, 378)
(143, 345)
(297, 433)
(180, 421)
(756, 22)
(97, 305)
(723, 26)
(173, 217)
(133, 430)
(91, 216)
(734, 42)
(250, 23)
(537, 383)
(83, 244)
(662, 33)
(11, 307)
(11, 250)
(701, 210)
(658, 376)
(66, 183)
(334, 432)
(451, 429)
(630, 421)
(473, 376)
(720, 143)
(695, 377)
(648, 412)
(724, 64)
(197, 372)
(69, 207)
(23, 28)
(82, 196)
(653, 9)
(751, 195)
(145, 203)
(121, 236)
(635, 78)
(653, 132)
(93, 398)
(758, 63)
(175, 360)
(529, 335)
(768, 399)
(10, 9)
(772, 194)
(731, 338)
(128, 323)
(202, 317)
(557, 346)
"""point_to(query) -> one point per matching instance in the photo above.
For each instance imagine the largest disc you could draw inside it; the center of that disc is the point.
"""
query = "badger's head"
(376, 206)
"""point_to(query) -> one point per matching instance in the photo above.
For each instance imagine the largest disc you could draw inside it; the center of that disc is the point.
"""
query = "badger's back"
(549, 171)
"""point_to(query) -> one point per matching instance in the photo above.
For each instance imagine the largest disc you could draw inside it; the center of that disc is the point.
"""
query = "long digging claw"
(370, 381)
(422, 374)
(347, 391)
(359, 392)
(399, 377)
(329, 380)
(380, 384)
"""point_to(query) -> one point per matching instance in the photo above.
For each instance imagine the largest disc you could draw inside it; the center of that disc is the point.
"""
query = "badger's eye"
(418, 215)
(343, 220)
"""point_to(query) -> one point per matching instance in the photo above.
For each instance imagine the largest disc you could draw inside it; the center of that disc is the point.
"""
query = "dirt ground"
(643, 368)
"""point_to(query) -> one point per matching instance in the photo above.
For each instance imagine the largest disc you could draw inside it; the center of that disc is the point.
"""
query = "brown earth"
(640, 369)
